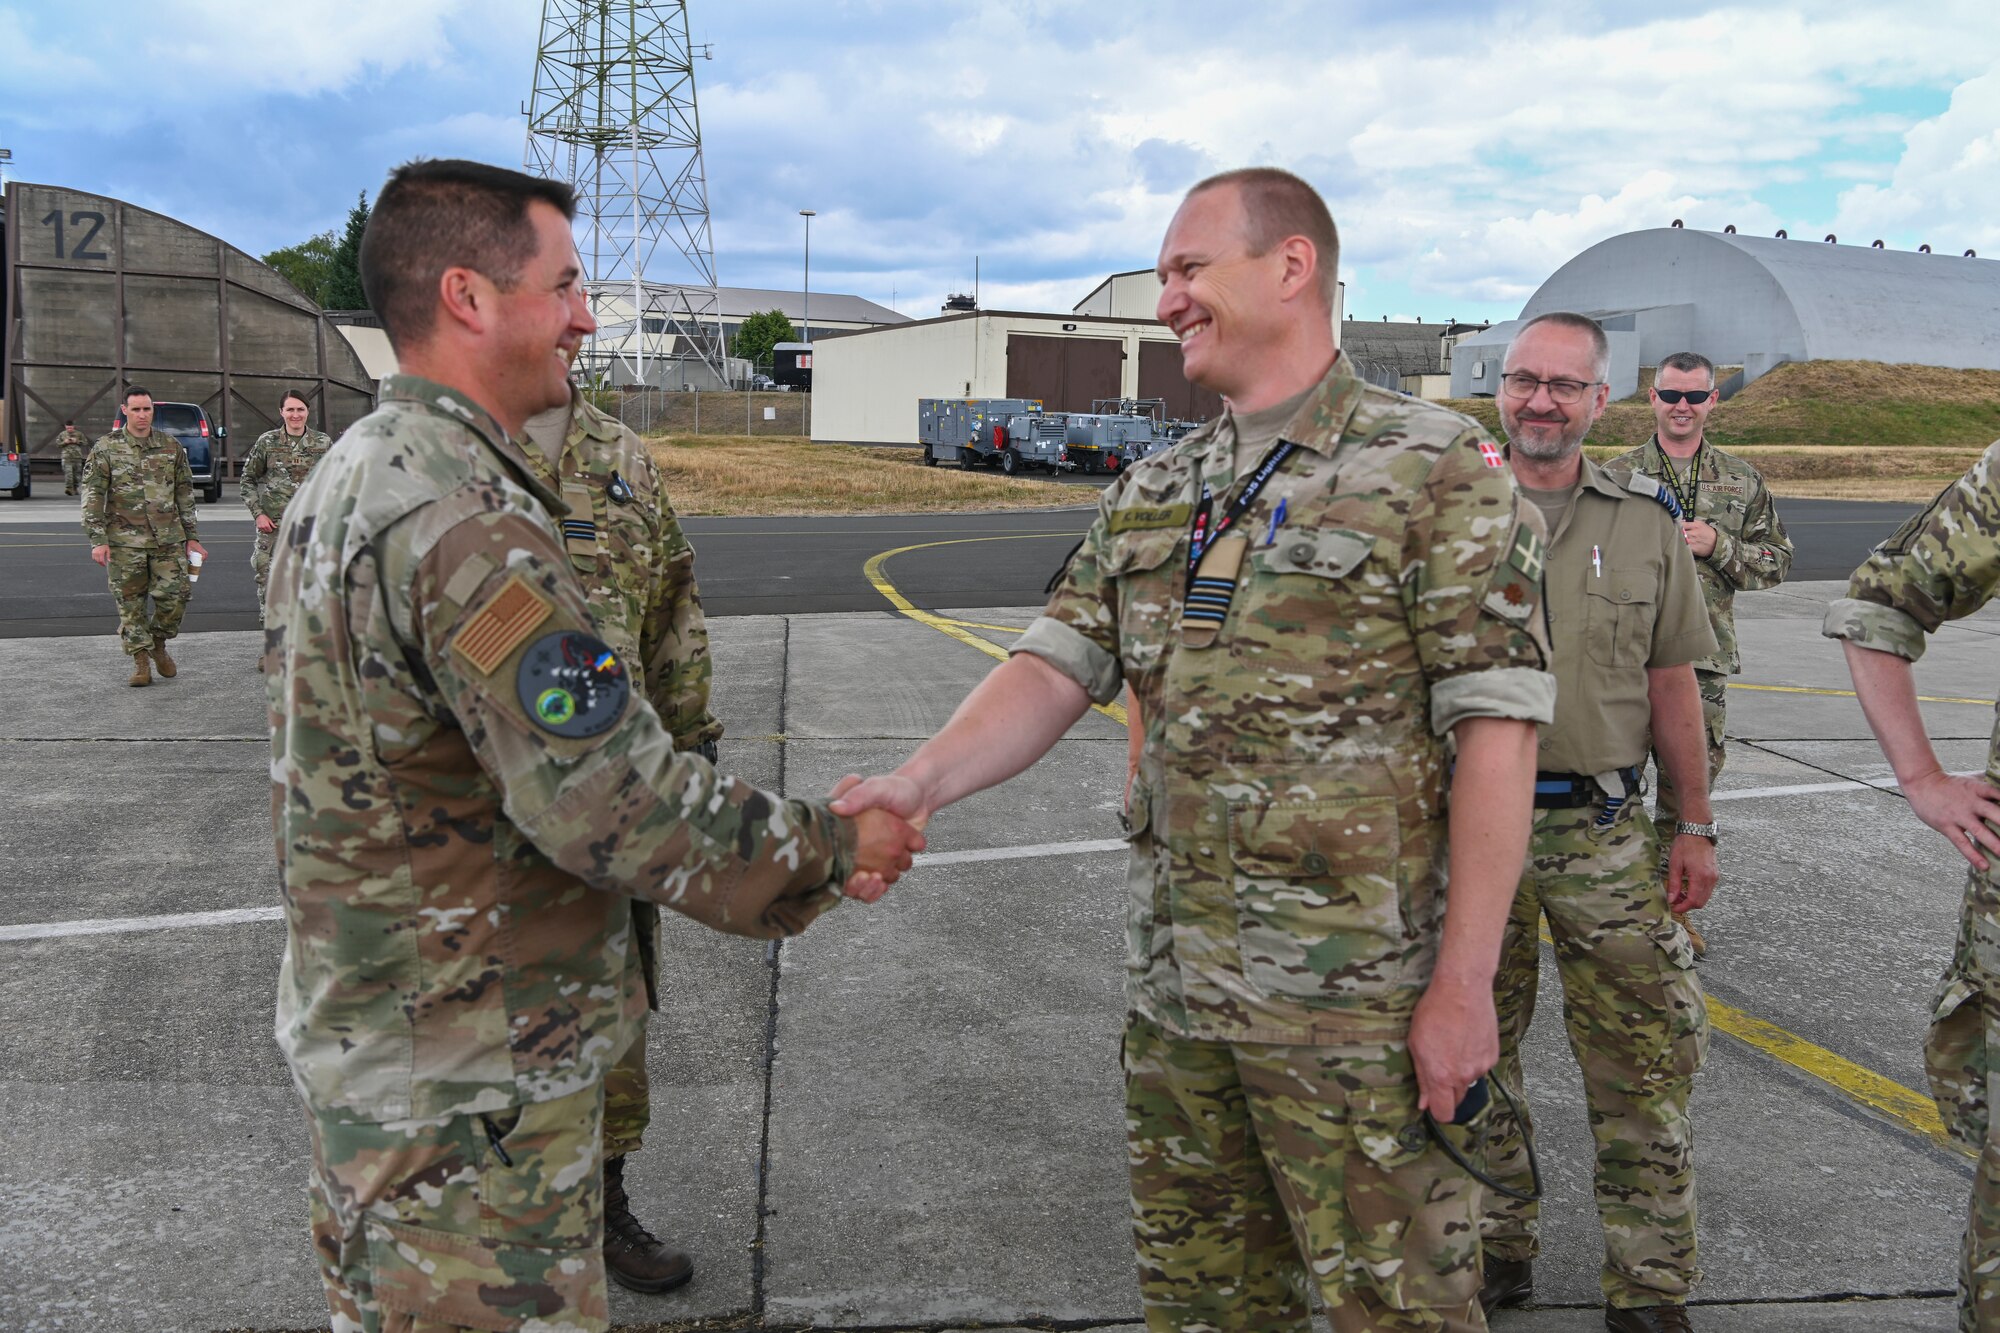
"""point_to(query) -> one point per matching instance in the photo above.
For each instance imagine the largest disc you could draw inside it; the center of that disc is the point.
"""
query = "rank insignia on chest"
(620, 490)
(1210, 591)
(1491, 453)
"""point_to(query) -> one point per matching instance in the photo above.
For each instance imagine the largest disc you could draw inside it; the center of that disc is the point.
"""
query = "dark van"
(200, 437)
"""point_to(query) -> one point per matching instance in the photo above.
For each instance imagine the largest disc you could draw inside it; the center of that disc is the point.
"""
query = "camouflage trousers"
(1667, 802)
(1962, 1054)
(136, 572)
(260, 565)
(467, 1222)
(1254, 1166)
(1638, 1025)
(72, 475)
(628, 1099)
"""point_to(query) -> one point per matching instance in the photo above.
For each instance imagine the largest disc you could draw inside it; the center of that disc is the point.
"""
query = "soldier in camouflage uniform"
(1626, 620)
(138, 513)
(272, 472)
(1366, 592)
(74, 447)
(1944, 564)
(466, 794)
(637, 569)
(1732, 527)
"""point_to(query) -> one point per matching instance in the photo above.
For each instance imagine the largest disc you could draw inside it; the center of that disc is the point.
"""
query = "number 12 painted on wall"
(77, 219)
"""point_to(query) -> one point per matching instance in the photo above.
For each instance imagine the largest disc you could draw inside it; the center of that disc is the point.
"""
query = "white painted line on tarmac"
(1815, 788)
(240, 916)
(120, 925)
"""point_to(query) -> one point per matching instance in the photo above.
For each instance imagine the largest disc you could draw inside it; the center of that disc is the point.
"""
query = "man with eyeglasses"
(1733, 530)
(1625, 623)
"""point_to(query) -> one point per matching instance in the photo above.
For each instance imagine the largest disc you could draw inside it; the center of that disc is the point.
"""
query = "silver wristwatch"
(1698, 830)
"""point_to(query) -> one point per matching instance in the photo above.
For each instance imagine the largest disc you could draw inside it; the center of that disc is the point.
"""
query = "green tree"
(307, 265)
(343, 281)
(759, 334)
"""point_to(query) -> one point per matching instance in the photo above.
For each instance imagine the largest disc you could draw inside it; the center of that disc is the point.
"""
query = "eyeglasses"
(1519, 385)
(1672, 397)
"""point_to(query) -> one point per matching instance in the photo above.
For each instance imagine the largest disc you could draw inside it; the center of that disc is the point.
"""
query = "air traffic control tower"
(96, 293)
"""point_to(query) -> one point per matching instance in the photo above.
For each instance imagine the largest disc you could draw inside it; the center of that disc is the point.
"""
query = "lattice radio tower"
(613, 115)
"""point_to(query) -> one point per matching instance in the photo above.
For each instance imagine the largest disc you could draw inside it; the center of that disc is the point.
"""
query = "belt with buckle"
(1566, 791)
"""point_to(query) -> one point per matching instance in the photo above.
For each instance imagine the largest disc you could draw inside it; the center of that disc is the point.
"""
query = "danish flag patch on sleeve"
(1491, 453)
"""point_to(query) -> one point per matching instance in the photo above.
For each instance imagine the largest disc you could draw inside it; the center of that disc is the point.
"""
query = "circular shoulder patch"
(572, 685)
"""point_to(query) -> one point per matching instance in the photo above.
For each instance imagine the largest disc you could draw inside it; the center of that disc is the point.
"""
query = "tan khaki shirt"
(1636, 604)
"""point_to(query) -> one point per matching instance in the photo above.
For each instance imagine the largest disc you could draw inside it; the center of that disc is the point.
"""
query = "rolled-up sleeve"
(1473, 556)
(1075, 655)
(1077, 632)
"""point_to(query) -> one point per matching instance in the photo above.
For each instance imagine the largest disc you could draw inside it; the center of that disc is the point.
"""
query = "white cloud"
(1946, 189)
(301, 47)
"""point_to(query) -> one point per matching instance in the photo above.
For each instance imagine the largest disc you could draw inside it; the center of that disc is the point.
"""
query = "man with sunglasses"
(1732, 529)
(1625, 622)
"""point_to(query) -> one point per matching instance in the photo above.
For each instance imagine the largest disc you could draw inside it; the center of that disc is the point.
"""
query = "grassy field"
(1837, 430)
(736, 474)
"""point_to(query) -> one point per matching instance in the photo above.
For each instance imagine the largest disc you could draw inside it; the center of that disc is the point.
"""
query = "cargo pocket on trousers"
(1682, 1001)
(1958, 1058)
(484, 1284)
(1412, 1211)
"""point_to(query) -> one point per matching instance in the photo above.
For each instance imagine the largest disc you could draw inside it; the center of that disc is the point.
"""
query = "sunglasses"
(1671, 397)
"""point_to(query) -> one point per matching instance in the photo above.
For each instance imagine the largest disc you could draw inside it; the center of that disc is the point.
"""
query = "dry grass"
(1833, 404)
(736, 474)
(1911, 474)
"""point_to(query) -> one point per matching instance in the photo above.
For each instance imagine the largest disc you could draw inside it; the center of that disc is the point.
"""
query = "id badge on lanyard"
(1215, 555)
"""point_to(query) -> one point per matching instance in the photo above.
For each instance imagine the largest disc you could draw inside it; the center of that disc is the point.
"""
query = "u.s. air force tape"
(572, 685)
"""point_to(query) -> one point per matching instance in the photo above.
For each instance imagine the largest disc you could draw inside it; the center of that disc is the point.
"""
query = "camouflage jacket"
(276, 467)
(1751, 548)
(465, 791)
(73, 445)
(1288, 822)
(627, 547)
(637, 569)
(138, 492)
(1943, 564)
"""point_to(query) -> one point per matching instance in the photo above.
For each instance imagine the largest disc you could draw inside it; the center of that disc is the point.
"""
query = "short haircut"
(444, 213)
(70, 422)
(1277, 205)
(135, 391)
(1600, 346)
(290, 394)
(1687, 363)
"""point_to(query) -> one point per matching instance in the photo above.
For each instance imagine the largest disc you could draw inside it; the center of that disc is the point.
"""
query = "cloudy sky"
(1467, 148)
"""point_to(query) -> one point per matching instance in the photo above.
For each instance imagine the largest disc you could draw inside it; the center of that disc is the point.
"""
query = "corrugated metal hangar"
(97, 293)
(1759, 301)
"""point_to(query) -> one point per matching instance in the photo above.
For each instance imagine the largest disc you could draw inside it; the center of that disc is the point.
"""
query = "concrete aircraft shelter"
(96, 292)
(1759, 301)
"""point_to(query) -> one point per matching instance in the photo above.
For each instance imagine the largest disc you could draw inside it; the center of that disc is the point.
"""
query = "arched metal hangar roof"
(1802, 300)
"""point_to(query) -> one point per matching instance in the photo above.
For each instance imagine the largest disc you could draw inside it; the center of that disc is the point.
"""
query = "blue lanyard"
(1203, 536)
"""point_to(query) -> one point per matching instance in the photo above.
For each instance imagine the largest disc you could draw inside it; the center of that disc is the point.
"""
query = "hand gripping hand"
(885, 837)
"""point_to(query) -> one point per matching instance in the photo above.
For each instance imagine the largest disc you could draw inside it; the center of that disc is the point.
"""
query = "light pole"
(808, 214)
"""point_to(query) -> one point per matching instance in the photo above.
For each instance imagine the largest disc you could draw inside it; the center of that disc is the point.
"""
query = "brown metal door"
(1160, 377)
(1067, 374)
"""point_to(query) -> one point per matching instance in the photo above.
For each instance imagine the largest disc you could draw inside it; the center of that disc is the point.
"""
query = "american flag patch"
(1491, 454)
(500, 625)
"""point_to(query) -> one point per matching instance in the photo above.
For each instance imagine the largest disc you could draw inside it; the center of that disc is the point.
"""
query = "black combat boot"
(1505, 1284)
(634, 1258)
(1648, 1319)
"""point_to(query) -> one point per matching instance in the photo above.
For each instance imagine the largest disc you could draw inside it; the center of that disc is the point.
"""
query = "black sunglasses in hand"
(1695, 396)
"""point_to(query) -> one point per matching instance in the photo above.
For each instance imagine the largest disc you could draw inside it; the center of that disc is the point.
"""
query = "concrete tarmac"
(911, 1117)
(748, 566)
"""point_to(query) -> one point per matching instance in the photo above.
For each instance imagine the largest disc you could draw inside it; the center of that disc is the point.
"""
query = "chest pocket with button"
(1319, 905)
(1303, 595)
(1149, 565)
(1618, 616)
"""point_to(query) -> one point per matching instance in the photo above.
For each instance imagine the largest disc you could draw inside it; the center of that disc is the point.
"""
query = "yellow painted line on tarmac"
(1879, 1093)
(959, 629)
(1859, 1084)
(1849, 694)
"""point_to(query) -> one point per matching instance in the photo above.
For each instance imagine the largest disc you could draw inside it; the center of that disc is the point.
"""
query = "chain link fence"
(651, 411)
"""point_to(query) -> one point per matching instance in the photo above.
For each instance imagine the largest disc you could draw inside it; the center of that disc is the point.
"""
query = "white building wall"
(866, 387)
